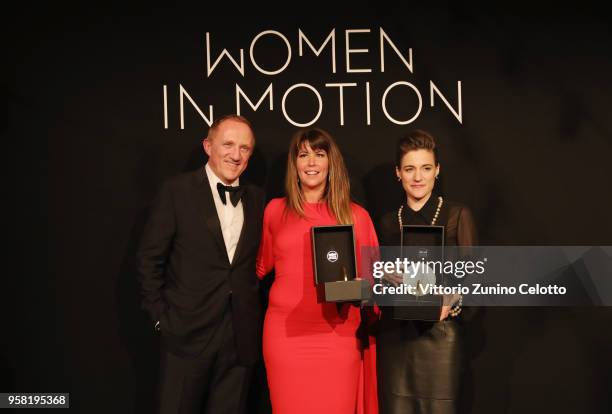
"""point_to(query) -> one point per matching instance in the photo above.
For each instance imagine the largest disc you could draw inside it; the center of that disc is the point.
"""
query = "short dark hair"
(415, 140)
(230, 117)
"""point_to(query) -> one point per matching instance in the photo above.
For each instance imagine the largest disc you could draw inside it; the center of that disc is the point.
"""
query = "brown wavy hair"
(337, 189)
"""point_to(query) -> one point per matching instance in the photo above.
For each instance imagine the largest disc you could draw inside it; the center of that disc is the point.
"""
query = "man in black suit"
(196, 264)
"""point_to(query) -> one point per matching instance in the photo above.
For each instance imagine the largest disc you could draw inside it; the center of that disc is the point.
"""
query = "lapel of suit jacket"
(248, 222)
(207, 210)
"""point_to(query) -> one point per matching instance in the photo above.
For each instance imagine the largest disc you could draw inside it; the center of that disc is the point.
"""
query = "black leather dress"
(419, 363)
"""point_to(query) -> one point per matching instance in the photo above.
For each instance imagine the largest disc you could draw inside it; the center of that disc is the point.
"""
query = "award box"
(335, 265)
(420, 243)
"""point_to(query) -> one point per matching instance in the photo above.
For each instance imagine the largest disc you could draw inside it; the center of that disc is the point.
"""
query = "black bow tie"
(235, 193)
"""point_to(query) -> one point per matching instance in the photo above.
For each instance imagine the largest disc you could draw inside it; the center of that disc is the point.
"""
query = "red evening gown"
(314, 361)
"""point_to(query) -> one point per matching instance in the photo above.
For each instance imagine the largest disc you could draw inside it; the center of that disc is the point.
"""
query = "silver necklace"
(433, 221)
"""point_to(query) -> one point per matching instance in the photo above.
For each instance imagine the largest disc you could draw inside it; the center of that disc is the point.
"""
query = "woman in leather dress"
(419, 363)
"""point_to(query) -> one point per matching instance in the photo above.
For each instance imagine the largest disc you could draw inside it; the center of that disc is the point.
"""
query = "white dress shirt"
(230, 217)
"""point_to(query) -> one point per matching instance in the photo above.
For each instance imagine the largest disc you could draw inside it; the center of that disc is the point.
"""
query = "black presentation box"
(417, 243)
(335, 265)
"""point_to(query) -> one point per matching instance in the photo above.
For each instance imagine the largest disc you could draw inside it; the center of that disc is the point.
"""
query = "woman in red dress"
(314, 360)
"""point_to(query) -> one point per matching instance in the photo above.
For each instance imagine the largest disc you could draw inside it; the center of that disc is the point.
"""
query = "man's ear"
(206, 145)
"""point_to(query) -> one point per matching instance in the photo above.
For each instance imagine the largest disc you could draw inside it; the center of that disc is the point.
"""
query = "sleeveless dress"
(314, 360)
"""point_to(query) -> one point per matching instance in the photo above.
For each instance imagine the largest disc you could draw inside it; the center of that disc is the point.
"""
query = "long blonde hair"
(337, 189)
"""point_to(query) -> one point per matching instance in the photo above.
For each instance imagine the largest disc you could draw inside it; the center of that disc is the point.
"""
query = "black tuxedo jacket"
(186, 278)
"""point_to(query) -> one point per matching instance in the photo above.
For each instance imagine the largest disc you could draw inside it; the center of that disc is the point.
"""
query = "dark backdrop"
(86, 150)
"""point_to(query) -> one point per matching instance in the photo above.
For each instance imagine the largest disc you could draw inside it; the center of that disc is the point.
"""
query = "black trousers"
(213, 382)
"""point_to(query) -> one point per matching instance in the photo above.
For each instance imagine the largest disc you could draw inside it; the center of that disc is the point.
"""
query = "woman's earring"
(437, 177)
(399, 178)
